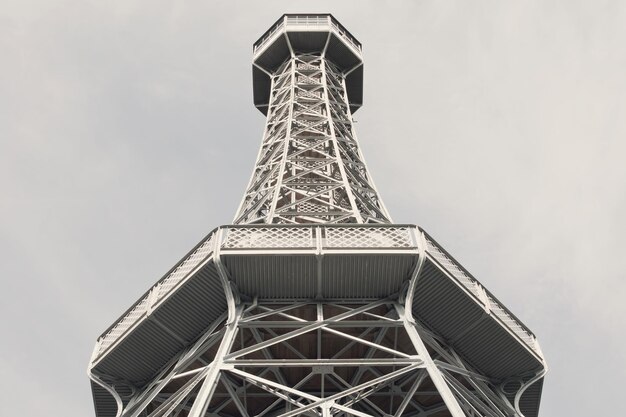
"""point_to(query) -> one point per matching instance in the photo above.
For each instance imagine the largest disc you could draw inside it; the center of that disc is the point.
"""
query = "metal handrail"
(139, 308)
(307, 20)
(345, 34)
(323, 236)
(163, 278)
(495, 306)
(267, 35)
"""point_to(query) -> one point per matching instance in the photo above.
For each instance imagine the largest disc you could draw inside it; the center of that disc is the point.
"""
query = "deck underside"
(452, 312)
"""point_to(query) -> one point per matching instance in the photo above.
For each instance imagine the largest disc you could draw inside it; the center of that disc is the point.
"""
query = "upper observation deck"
(307, 33)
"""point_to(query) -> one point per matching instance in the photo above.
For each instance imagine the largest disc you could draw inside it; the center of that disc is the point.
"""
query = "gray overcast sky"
(127, 132)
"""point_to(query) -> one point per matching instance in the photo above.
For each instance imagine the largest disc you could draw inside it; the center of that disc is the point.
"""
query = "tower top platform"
(310, 33)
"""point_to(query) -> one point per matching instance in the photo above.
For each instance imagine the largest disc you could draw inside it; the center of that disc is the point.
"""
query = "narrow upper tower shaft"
(309, 168)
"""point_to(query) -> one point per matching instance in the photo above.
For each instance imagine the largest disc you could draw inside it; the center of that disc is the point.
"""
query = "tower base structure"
(209, 340)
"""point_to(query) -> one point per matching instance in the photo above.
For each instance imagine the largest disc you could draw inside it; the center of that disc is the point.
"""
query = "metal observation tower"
(313, 303)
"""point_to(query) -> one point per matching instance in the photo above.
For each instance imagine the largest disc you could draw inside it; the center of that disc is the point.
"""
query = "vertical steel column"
(200, 404)
(434, 373)
(333, 135)
(283, 162)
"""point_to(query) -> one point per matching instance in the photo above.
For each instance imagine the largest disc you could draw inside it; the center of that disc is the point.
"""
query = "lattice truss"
(319, 359)
(310, 168)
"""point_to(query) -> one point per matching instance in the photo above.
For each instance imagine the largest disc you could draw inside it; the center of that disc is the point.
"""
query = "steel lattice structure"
(310, 168)
(313, 303)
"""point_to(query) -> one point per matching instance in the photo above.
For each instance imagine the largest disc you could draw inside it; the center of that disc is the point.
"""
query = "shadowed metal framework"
(313, 303)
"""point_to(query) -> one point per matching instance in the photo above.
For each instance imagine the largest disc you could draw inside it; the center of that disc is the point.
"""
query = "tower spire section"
(310, 168)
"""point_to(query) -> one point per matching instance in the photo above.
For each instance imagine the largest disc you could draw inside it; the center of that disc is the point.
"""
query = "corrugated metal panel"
(344, 275)
(161, 290)
(104, 403)
(274, 55)
(507, 318)
(186, 312)
(495, 351)
(440, 302)
(444, 306)
(194, 306)
(460, 319)
(273, 276)
(340, 54)
(140, 354)
(364, 276)
(531, 399)
(307, 41)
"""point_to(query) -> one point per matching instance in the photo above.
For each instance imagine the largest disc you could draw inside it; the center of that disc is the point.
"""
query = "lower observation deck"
(344, 263)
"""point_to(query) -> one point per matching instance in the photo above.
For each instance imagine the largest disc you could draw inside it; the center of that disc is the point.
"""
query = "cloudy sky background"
(127, 132)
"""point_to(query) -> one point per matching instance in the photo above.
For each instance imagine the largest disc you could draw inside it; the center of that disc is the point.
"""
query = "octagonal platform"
(330, 262)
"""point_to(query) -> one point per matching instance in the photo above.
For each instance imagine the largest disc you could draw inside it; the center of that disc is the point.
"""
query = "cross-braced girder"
(316, 344)
(315, 358)
(310, 168)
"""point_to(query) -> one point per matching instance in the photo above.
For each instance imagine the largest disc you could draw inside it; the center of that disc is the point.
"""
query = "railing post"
(318, 239)
(153, 297)
(96, 350)
(483, 297)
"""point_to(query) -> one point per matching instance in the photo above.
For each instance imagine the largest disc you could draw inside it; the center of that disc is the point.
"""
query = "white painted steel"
(310, 168)
(392, 378)
(310, 194)
(321, 23)
(201, 402)
(321, 239)
(433, 371)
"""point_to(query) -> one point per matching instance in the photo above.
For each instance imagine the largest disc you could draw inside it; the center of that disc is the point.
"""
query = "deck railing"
(309, 237)
(304, 20)
(506, 317)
